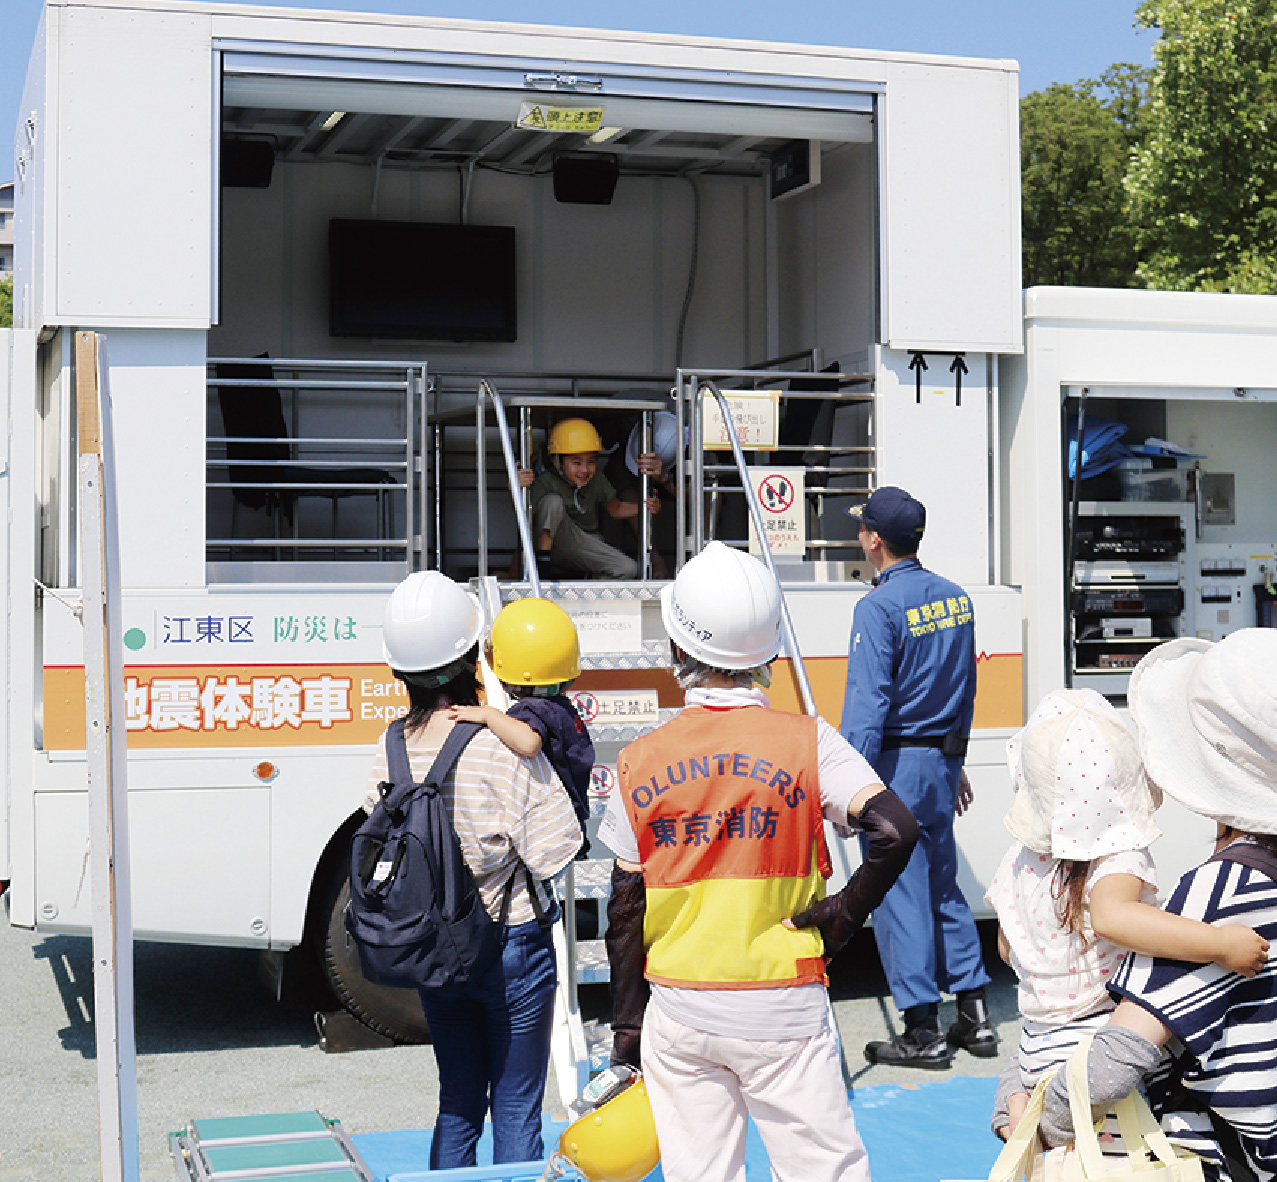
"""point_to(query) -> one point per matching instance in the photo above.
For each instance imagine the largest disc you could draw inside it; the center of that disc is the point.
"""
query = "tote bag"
(1145, 1147)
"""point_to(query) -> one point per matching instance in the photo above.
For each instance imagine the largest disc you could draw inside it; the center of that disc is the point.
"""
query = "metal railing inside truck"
(317, 462)
(820, 425)
(473, 528)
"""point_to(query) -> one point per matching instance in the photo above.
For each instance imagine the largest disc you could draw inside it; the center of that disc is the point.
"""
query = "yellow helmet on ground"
(534, 642)
(617, 1141)
(570, 436)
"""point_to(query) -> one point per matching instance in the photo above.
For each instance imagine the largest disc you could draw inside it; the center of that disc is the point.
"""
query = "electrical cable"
(691, 271)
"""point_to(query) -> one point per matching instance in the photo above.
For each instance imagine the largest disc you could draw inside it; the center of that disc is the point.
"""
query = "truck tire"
(396, 1013)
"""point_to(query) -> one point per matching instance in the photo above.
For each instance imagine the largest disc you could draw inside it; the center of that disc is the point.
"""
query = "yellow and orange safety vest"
(725, 805)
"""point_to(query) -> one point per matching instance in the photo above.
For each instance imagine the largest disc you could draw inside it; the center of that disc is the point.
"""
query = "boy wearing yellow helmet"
(533, 650)
(567, 499)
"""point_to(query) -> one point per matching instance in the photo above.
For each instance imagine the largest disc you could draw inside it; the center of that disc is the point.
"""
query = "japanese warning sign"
(755, 414)
(780, 497)
(539, 117)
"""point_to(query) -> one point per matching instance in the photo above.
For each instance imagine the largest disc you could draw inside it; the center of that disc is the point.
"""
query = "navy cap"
(895, 516)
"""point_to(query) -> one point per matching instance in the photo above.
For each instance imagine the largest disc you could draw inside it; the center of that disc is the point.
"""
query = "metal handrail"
(755, 512)
(516, 493)
(534, 579)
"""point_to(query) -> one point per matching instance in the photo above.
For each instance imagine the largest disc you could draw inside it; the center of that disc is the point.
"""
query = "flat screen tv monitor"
(426, 281)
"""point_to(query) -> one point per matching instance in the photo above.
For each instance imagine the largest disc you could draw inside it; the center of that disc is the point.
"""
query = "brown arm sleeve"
(891, 833)
(627, 958)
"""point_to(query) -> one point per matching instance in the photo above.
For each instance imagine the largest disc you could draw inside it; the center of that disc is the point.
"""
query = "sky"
(1052, 41)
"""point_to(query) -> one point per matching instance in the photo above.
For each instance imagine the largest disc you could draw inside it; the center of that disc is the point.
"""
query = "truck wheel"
(396, 1013)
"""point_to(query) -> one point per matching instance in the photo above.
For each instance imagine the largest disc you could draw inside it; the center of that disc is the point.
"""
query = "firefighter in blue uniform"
(911, 679)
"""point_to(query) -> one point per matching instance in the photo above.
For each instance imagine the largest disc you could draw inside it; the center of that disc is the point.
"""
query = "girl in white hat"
(1201, 1039)
(1078, 889)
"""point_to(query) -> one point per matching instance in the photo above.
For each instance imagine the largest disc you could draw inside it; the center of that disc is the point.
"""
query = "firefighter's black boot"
(921, 1045)
(973, 1030)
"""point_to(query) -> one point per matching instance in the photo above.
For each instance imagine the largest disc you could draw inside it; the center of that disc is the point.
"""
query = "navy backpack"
(415, 912)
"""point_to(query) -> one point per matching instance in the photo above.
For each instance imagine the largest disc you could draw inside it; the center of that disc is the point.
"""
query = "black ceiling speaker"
(585, 178)
(247, 162)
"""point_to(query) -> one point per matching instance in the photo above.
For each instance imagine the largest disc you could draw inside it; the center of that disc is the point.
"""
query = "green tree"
(6, 302)
(1076, 143)
(1203, 187)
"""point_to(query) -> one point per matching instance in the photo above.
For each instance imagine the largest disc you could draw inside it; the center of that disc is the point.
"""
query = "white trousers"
(704, 1086)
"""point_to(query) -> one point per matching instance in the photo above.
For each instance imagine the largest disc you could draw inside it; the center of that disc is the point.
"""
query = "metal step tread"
(591, 962)
(586, 590)
(627, 732)
(655, 655)
(592, 878)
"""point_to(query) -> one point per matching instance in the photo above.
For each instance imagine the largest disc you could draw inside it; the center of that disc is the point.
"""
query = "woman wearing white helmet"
(718, 895)
(1201, 1037)
(491, 1037)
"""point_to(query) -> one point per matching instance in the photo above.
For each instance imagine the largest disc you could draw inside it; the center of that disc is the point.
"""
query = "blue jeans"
(492, 1045)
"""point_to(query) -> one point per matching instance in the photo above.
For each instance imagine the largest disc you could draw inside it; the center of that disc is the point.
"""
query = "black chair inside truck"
(809, 422)
(260, 457)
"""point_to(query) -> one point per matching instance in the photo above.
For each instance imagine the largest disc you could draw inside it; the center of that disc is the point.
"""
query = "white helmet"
(724, 609)
(664, 440)
(430, 623)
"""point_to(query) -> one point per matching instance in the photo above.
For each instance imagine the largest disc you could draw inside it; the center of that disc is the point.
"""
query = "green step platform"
(273, 1146)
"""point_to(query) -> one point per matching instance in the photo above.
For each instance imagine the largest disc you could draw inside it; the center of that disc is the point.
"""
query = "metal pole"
(481, 479)
(525, 461)
(645, 490)
(680, 460)
(787, 625)
(410, 471)
(107, 769)
(516, 493)
(698, 465)
(438, 481)
(423, 446)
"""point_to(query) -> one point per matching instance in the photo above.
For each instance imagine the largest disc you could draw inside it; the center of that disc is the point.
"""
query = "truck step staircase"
(626, 635)
(266, 1148)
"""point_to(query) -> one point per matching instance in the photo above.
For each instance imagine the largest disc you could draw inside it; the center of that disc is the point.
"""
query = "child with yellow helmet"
(567, 499)
(535, 653)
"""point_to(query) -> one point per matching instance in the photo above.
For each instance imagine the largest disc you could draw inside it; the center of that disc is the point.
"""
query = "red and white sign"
(587, 706)
(781, 497)
(602, 780)
(617, 707)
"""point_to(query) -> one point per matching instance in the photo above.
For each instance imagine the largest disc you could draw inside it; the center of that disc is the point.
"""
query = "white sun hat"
(1207, 719)
(1080, 790)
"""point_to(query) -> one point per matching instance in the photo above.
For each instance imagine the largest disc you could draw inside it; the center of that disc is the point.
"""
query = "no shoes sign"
(783, 503)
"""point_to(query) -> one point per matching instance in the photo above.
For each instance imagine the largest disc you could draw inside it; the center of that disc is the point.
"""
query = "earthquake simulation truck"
(349, 270)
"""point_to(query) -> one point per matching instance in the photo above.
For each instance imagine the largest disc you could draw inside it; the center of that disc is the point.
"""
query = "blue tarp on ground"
(935, 1131)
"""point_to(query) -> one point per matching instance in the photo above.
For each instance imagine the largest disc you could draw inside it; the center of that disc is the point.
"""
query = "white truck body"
(1197, 370)
(257, 683)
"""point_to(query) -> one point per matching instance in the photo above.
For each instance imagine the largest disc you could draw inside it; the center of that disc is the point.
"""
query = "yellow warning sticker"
(538, 117)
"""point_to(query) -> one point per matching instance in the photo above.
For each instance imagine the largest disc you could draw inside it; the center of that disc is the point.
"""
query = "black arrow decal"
(918, 364)
(958, 368)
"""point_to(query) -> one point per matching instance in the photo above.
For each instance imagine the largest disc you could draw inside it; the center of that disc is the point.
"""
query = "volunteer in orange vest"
(718, 895)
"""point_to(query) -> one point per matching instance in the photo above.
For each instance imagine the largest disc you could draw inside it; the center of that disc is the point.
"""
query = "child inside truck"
(533, 650)
(566, 501)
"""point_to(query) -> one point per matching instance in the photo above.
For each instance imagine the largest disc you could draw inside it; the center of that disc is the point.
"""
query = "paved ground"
(212, 1042)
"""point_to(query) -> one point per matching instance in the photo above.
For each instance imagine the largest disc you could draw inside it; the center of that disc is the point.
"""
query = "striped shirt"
(1223, 1050)
(503, 808)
